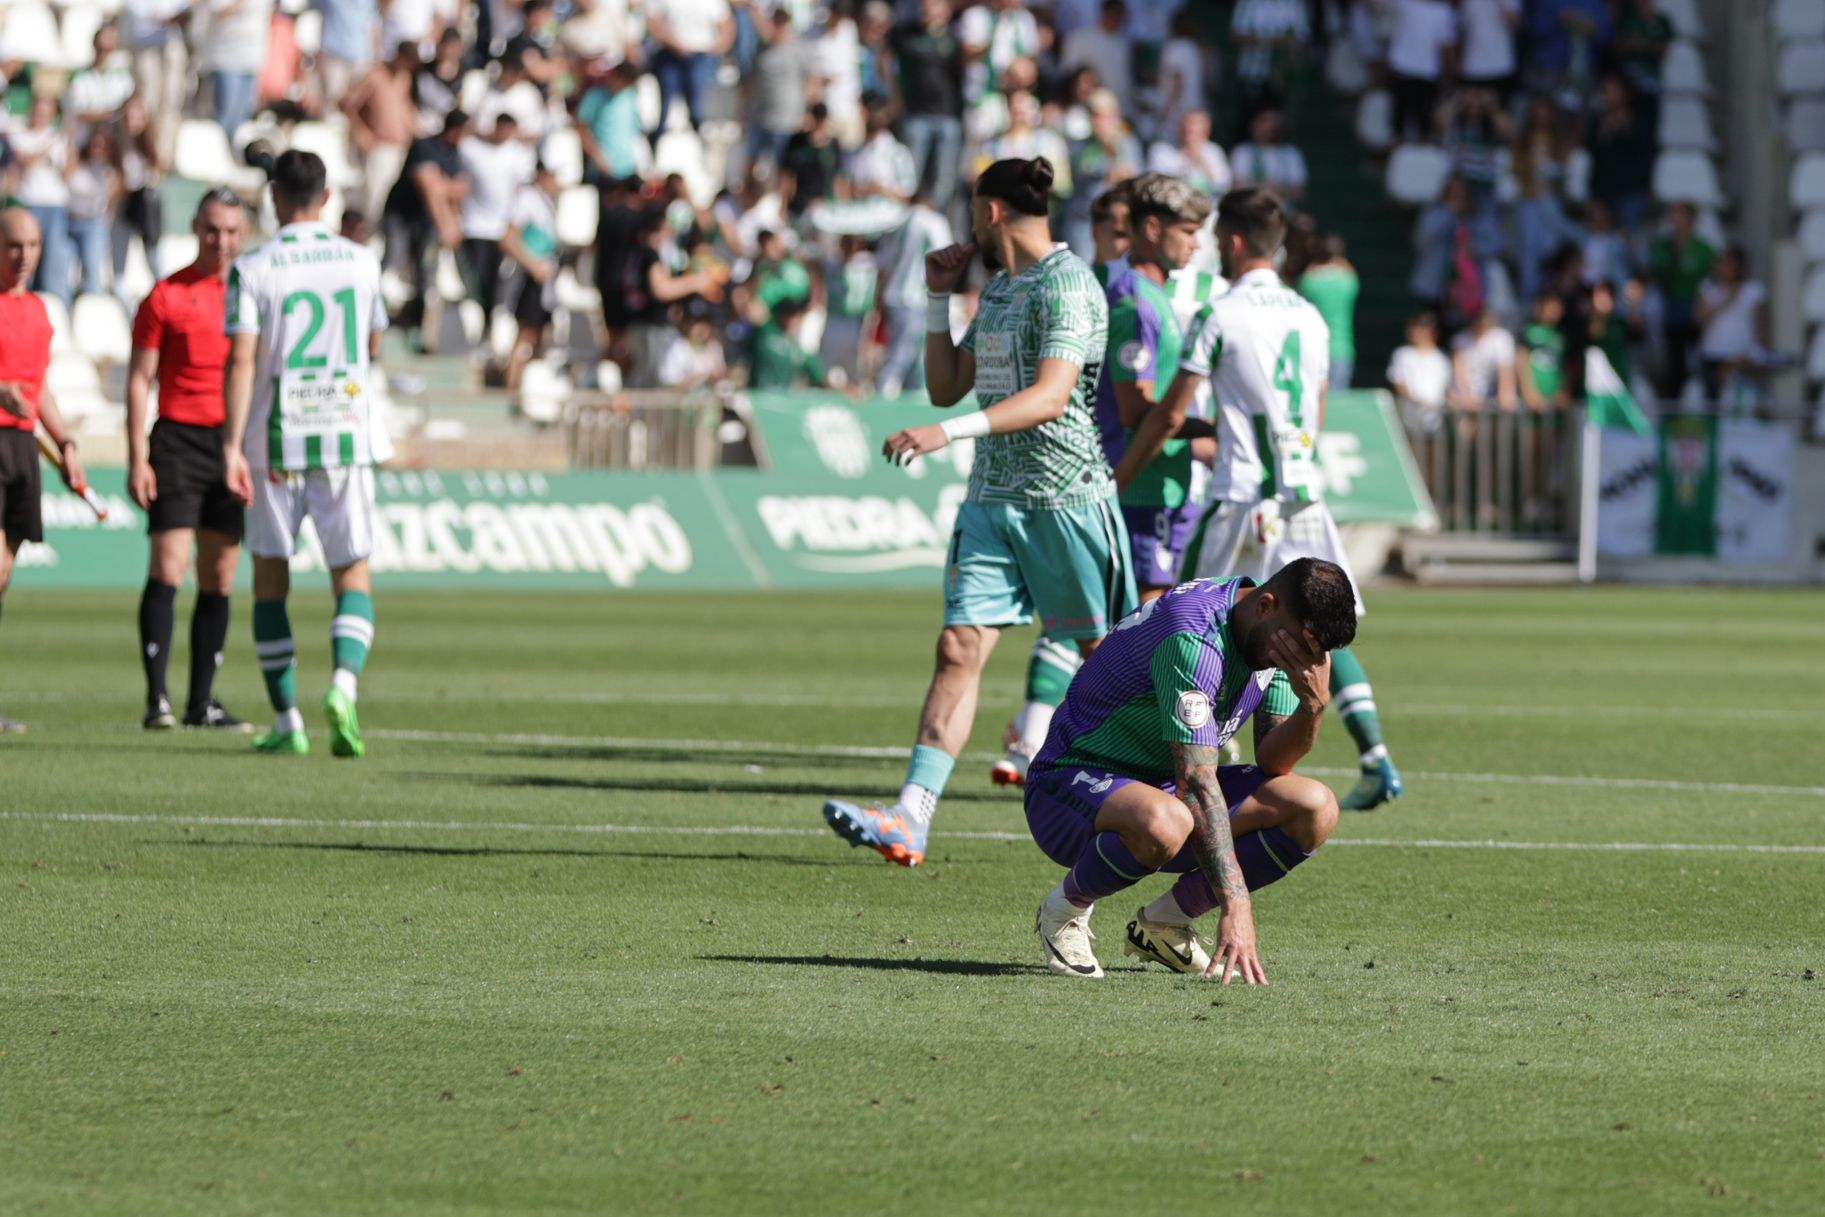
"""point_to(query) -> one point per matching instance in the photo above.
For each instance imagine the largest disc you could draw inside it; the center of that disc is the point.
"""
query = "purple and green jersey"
(1170, 673)
(1145, 341)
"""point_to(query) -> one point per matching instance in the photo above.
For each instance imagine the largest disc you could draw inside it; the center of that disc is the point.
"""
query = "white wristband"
(965, 426)
(938, 314)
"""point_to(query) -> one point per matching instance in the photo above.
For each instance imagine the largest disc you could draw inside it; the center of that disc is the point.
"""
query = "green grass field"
(574, 940)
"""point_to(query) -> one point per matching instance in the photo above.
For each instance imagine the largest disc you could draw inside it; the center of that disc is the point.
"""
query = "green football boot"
(345, 727)
(292, 743)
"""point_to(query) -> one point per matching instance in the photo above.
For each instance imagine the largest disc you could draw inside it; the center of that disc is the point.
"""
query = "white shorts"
(338, 502)
(1257, 539)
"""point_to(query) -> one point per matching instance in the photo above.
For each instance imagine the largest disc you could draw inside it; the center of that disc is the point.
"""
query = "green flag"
(1685, 518)
(1607, 400)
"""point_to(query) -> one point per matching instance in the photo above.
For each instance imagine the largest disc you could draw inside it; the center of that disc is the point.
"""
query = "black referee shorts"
(21, 512)
(192, 486)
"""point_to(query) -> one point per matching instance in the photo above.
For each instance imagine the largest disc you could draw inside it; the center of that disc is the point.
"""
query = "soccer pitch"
(573, 939)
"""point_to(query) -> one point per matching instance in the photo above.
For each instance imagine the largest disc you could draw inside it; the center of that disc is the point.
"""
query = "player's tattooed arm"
(1215, 849)
(1264, 726)
(1211, 842)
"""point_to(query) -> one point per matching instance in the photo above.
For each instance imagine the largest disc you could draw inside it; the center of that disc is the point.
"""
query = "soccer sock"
(1104, 868)
(1049, 671)
(208, 637)
(156, 621)
(351, 636)
(1354, 700)
(278, 655)
(926, 774)
(1265, 856)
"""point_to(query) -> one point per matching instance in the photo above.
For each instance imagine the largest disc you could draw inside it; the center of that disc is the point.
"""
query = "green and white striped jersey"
(314, 300)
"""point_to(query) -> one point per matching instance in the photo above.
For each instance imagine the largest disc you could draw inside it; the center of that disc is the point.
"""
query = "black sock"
(155, 624)
(208, 635)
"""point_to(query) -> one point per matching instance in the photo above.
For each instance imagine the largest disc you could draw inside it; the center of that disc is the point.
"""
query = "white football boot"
(1065, 929)
(1176, 946)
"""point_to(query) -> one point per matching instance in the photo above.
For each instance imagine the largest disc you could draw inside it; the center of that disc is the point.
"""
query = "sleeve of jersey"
(148, 325)
(1279, 698)
(1206, 344)
(1076, 321)
(1134, 335)
(241, 312)
(1185, 674)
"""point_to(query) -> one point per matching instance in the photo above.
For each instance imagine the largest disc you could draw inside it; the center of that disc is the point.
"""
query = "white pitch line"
(864, 752)
(756, 830)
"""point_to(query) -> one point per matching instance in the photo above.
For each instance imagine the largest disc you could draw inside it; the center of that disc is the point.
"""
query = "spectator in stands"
(383, 122)
(1475, 130)
(1026, 139)
(1270, 38)
(438, 86)
(780, 361)
(695, 360)
(1733, 311)
(142, 169)
(1623, 145)
(1564, 39)
(1266, 161)
(1540, 372)
(1105, 47)
(1483, 358)
(536, 45)
(994, 34)
(1486, 55)
(1453, 243)
(883, 166)
(97, 92)
(1607, 256)
(1421, 375)
(349, 30)
(1183, 83)
(1643, 34)
(1330, 282)
(875, 32)
(153, 33)
(836, 60)
(1538, 162)
(419, 22)
(777, 276)
(607, 123)
(987, 116)
(778, 79)
(1193, 157)
(1679, 263)
(531, 242)
(514, 93)
(903, 292)
(689, 38)
(355, 227)
(1111, 214)
(650, 290)
(423, 210)
(598, 30)
(813, 161)
(497, 164)
(95, 191)
(1112, 154)
(929, 58)
(850, 282)
(41, 151)
(234, 54)
(617, 224)
(1421, 48)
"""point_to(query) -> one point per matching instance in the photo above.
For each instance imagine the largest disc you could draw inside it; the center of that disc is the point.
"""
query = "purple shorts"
(1157, 537)
(1062, 806)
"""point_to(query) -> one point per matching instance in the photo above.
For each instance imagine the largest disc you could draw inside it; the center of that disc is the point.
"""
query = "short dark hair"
(1255, 214)
(1319, 595)
(1024, 185)
(298, 179)
(456, 120)
(1119, 195)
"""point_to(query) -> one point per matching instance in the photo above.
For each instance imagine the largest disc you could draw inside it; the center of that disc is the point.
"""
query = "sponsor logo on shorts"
(1193, 709)
(1086, 778)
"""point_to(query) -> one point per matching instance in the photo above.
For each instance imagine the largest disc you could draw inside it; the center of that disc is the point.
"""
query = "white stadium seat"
(176, 250)
(503, 332)
(1686, 177)
(60, 324)
(475, 87)
(1806, 188)
(1683, 70)
(203, 154)
(330, 142)
(1801, 69)
(543, 392)
(1685, 122)
(1375, 120)
(578, 210)
(101, 328)
(448, 278)
(80, 21)
(1798, 19)
(1813, 297)
(1684, 15)
(72, 374)
(563, 151)
(1344, 69)
(1805, 124)
(1812, 235)
(28, 31)
(1417, 173)
(307, 32)
(136, 278)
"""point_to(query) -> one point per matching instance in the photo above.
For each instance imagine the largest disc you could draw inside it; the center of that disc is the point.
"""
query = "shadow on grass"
(941, 967)
(682, 756)
(808, 790)
(488, 851)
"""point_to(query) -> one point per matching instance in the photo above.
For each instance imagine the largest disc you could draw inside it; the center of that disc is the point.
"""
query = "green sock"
(278, 655)
(1049, 671)
(352, 631)
(1355, 702)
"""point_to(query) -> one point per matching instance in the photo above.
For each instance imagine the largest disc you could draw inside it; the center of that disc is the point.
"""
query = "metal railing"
(1511, 472)
(643, 429)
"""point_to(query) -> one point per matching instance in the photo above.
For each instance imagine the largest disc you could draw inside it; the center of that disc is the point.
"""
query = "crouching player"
(1129, 782)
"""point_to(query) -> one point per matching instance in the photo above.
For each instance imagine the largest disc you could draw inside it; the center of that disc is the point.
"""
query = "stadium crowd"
(770, 173)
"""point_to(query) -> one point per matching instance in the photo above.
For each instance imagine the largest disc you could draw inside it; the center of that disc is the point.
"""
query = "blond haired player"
(305, 315)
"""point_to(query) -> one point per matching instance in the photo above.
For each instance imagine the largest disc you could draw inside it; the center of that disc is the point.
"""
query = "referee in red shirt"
(176, 474)
(25, 354)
